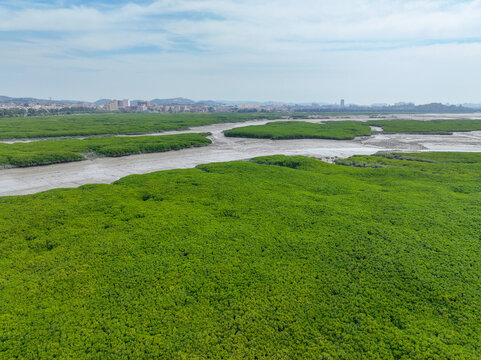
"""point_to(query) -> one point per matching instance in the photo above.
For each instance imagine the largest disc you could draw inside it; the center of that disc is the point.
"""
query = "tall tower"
(342, 103)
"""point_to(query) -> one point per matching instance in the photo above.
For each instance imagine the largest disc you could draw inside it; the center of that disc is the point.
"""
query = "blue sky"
(365, 51)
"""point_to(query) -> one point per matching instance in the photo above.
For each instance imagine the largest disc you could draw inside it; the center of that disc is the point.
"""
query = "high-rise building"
(112, 105)
(248, 106)
(342, 103)
(124, 103)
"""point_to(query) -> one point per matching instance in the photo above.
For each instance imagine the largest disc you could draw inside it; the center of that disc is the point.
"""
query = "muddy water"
(314, 118)
(21, 181)
(464, 142)
(199, 129)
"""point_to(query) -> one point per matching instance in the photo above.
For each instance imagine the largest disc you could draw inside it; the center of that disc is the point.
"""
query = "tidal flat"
(22, 181)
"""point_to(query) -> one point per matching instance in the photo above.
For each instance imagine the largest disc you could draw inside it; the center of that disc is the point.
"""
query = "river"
(21, 181)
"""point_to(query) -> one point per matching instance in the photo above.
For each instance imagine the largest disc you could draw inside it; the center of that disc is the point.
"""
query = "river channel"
(21, 181)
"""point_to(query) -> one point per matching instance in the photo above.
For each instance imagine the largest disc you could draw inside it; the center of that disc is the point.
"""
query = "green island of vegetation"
(281, 130)
(114, 124)
(281, 257)
(57, 151)
(435, 127)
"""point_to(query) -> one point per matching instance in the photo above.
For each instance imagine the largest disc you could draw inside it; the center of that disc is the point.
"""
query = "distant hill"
(174, 101)
(270, 103)
(436, 107)
(296, 107)
(472, 106)
(209, 103)
(102, 101)
(29, 100)
(4, 99)
(433, 108)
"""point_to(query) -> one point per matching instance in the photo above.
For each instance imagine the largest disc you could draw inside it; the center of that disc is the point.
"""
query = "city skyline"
(126, 102)
(366, 51)
(11, 107)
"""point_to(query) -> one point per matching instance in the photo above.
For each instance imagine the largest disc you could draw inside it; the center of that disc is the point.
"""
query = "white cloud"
(343, 20)
(307, 43)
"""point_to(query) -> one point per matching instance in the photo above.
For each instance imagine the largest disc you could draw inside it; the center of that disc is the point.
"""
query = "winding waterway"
(20, 181)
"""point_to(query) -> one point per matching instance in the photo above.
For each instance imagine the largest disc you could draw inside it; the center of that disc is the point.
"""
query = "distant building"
(112, 105)
(342, 103)
(143, 103)
(248, 107)
(122, 104)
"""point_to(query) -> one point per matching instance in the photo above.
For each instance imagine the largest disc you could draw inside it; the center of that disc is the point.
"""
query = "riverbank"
(22, 181)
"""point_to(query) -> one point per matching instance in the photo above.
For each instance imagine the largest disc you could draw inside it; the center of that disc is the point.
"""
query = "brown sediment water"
(314, 119)
(20, 181)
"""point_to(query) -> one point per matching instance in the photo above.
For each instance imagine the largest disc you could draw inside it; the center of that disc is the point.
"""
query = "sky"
(364, 51)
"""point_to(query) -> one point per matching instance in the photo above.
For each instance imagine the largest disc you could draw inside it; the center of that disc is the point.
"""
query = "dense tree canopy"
(338, 130)
(58, 151)
(104, 124)
(283, 257)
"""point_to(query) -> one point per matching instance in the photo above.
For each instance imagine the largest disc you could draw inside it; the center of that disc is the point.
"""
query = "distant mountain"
(472, 106)
(4, 99)
(102, 101)
(174, 101)
(235, 102)
(30, 100)
(270, 103)
(296, 107)
(208, 103)
(437, 107)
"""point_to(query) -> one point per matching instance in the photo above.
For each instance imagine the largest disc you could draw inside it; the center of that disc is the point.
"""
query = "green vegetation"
(103, 124)
(381, 160)
(279, 258)
(437, 157)
(339, 130)
(114, 124)
(57, 151)
(21, 112)
(439, 127)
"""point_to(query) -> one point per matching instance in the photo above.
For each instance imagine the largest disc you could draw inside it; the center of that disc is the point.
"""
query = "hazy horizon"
(240, 101)
(364, 51)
